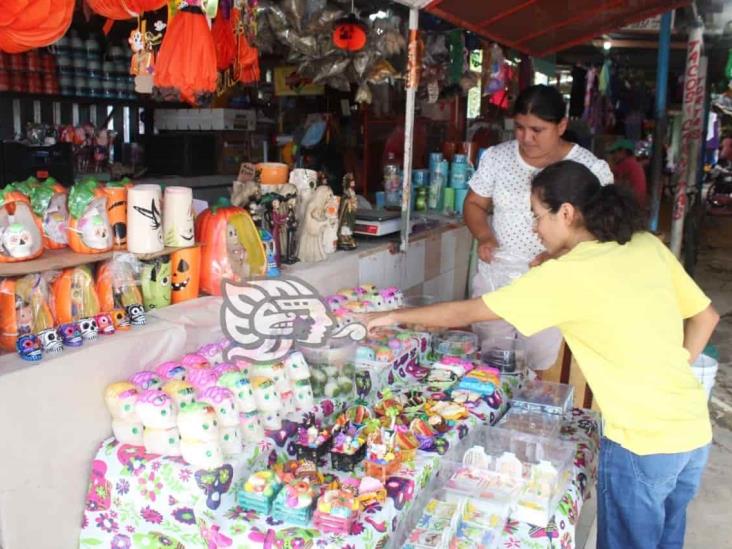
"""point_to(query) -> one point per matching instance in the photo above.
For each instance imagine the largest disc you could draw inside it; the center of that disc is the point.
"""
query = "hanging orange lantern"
(349, 34)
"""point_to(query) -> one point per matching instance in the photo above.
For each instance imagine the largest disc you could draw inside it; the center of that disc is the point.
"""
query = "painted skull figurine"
(136, 313)
(120, 398)
(172, 370)
(89, 328)
(29, 347)
(223, 401)
(16, 241)
(238, 383)
(182, 393)
(105, 323)
(198, 422)
(297, 367)
(120, 319)
(51, 341)
(70, 334)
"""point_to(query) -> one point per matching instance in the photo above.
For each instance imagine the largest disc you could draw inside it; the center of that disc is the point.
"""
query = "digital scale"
(377, 222)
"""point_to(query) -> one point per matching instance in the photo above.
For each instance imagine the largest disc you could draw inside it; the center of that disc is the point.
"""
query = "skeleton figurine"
(347, 214)
(291, 224)
(89, 328)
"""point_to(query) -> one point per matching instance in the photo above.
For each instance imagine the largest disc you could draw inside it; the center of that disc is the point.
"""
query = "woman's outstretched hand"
(375, 320)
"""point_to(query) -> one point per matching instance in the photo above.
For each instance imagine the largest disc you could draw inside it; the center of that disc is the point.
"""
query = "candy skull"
(120, 319)
(136, 314)
(198, 422)
(127, 432)
(225, 368)
(29, 347)
(201, 378)
(271, 420)
(202, 454)
(238, 384)
(230, 440)
(251, 426)
(105, 323)
(70, 334)
(145, 380)
(265, 394)
(51, 341)
(304, 395)
(16, 241)
(195, 360)
(172, 370)
(165, 442)
(222, 400)
(296, 366)
(121, 399)
(182, 393)
(211, 352)
(155, 409)
(89, 328)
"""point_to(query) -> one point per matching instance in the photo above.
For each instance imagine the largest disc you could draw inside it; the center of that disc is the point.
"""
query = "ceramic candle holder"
(181, 392)
(222, 400)
(155, 409)
(127, 432)
(164, 442)
(198, 422)
(238, 383)
(121, 398)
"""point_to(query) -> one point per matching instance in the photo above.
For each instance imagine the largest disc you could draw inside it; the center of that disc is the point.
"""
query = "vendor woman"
(634, 321)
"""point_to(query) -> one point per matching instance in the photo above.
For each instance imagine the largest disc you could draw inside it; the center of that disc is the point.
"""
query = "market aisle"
(708, 524)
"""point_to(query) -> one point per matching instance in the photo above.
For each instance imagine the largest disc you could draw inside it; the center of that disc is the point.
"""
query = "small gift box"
(295, 502)
(312, 444)
(348, 449)
(259, 491)
(336, 512)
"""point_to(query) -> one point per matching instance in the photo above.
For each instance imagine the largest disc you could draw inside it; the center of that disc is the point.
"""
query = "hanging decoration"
(29, 24)
(142, 64)
(120, 10)
(350, 34)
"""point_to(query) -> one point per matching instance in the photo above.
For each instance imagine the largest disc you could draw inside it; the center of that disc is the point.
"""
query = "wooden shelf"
(63, 259)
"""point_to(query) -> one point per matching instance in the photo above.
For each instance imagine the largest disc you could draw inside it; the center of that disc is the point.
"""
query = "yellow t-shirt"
(621, 311)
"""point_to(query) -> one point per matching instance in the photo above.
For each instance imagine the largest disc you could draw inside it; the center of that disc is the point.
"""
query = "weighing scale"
(377, 222)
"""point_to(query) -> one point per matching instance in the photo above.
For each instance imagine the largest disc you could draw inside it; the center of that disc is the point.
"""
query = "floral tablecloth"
(138, 500)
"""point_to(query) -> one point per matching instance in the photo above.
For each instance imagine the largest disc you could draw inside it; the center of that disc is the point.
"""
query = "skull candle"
(70, 334)
(51, 341)
(89, 328)
(29, 347)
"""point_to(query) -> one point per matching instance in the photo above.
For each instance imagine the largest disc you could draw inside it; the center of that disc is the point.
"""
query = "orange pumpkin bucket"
(186, 273)
(116, 192)
(230, 246)
(89, 231)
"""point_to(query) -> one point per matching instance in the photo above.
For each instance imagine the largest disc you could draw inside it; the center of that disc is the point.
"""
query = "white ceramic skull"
(265, 394)
(121, 398)
(251, 426)
(238, 384)
(222, 400)
(202, 454)
(198, 422)
(127, 432)
(51, 341)
(155, 409)
(297, 367)
(230, 440)
(17, 241)
(164, 442)
(181, 392)
(89, 328)
(136, 313)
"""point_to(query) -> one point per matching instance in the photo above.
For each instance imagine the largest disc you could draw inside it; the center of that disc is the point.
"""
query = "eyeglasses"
(536, 218)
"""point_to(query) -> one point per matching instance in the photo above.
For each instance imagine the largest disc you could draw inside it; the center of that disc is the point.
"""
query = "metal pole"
(412, 83)
(659, 135)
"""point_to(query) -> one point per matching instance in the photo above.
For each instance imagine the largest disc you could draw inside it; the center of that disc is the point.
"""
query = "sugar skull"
(198, 422)
(265, 394)
(222, 400)
(201, 378)
(121, 399)
(29, 347)
(376, 302)
(251, 426)
(349, 293)
(136, 313)
(304, 395)
(202, 454)
(155, 409)
(213, 352)
(271, 420)
(89, 328)
(70, 334)
(105, 323)
(164, 442)
(238, 383)
(172, 370)
(230, 440)
(16, 241)
(95, 232)
(195, 360)
(224, 368)
(127, 432)
(51, 341)
(145, 380)
(296, 366)
(181, 392)
(120, 319)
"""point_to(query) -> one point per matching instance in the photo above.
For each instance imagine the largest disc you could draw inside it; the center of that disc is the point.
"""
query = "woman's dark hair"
(542, 101)
(610, 213)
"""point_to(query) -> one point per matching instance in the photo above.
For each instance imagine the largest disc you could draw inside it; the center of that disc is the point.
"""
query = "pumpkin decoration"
(117, 286)
(25, 308)
(116, 192)
(155, 282)
(48, 201)
(20, 235)
(88, 229)
(230, 246)
(186, 266)
(75, 295)
(349, 34)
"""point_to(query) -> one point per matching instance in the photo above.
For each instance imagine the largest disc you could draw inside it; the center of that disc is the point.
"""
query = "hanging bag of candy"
(88, 229)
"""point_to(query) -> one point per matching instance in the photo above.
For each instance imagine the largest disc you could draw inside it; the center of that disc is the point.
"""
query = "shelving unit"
(63, 259)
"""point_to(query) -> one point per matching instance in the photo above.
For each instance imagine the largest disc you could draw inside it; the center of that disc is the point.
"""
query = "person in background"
(628, 171)
(634, 321)
(507, 246)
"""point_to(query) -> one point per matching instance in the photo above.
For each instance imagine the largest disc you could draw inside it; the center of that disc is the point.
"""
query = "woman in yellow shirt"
(634, 321)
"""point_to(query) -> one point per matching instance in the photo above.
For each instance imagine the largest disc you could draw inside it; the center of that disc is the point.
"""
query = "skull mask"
(70, 334)
(51, 341)
(89, 328)
(136, 313)
(105, 323)
(29, 347)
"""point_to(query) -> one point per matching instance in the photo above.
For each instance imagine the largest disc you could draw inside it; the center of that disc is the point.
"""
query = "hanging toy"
(349, 33)
(142, 63)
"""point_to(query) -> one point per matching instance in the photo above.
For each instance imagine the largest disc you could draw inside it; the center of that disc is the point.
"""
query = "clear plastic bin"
(508, 354)
(540, 424)
(455, 343)
(544, 397)
(332, 368)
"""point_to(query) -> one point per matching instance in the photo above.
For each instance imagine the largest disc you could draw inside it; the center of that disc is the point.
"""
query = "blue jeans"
(642, 499)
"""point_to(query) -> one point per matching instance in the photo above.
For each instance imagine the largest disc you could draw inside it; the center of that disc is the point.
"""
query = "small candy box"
(259, 491)
(348, 449)
(483, 380)
(312, 443)
(295, 502)
(456, 343)
(336, 512)
(435, 527)
(458, 366)
(383, 457)
(544, 397)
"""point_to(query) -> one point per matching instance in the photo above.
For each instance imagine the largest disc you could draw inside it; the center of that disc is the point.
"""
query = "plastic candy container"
(456, 365)
(295, 502)
(259, 491)
(544, 397)
(337, 512)
(455, 343)
(483, 380)
(544, 425)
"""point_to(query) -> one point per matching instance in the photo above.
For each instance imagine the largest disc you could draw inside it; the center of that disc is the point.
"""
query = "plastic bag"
(504, 268)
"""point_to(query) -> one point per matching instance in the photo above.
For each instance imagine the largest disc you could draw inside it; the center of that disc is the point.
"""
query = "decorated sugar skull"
(155, 409)
(181, 392)
(222, 400)
(335, 302)
(296, 366)
(172, 370)
(396, 295)
(198, 422)
(265, 393)
(224, 368)
(164, 442)
(213, 352)
(136, 314)
(304, 395)
(17, 241)
(274, 371)
(230, 440)
(120, 319)
(29, 347)
(288, 402)
(375, 302)
(127, 432)
(145, 380)
(51, 341)
(95, 231)
(201, 378)
(238, 383)
(121, 400)
(89, 328)
(202, 454)
(384, 354)
(105, 323)
(271, 420)
(349, 293)
(365, 289)
(195, 360)
(250, 426)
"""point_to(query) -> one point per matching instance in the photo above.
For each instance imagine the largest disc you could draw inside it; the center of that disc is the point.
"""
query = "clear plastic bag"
(504, 268)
